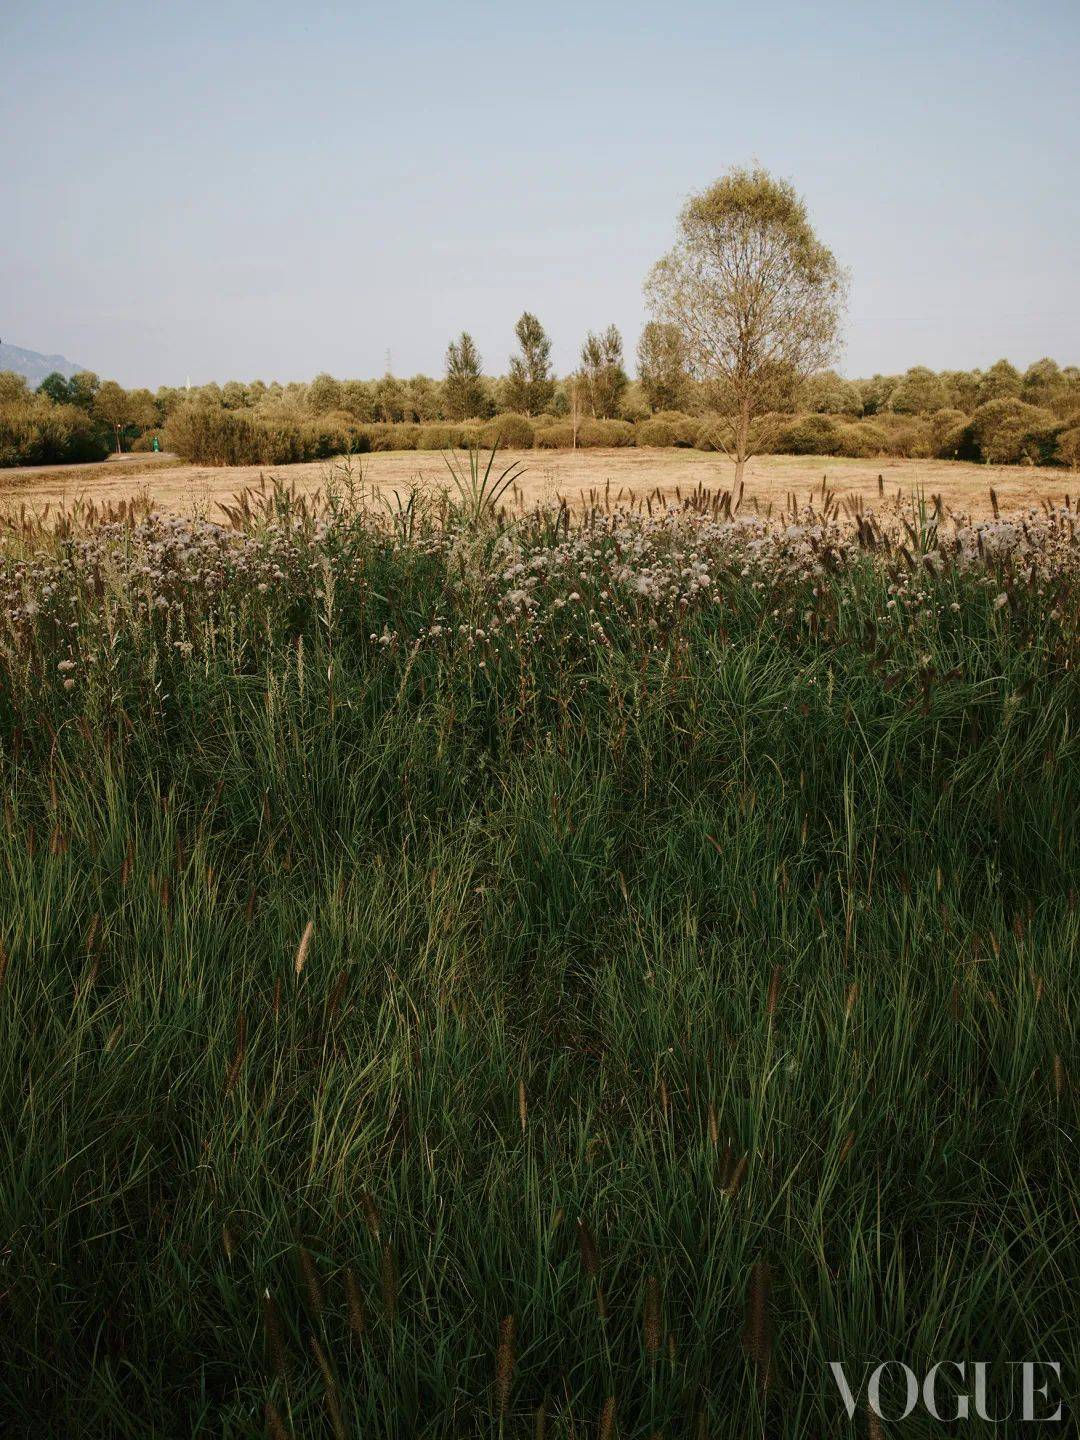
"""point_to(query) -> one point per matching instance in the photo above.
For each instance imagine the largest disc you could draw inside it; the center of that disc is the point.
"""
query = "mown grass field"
(578, 476)
(573, 976)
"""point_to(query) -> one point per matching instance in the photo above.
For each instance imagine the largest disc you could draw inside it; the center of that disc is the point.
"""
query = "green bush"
(1009, 432)
(906, 436)
(605, 434)
(513, 431)
(555, 437)
(951, 436)
(667, 428)
(381, 435)
(394, 435)
(439, 437)
(207, 435)
(36, 432)
(861, 440)
(810, 435)
(656, 434)
(1068, 448)
(685, 426)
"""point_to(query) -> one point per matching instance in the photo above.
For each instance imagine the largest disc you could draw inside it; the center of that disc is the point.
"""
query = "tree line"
(746, 312)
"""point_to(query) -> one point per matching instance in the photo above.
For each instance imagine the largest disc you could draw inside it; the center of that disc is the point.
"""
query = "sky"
(267, 191)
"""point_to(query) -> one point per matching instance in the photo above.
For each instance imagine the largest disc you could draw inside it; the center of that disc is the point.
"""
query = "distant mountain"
(34, 366)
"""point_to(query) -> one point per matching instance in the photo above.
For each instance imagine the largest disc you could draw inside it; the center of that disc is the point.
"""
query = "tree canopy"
(755, 295)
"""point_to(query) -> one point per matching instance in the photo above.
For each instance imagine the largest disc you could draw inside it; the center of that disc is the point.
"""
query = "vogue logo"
(905, 1392)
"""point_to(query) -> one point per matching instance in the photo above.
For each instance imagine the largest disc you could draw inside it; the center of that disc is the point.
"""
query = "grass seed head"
(388, 1283)
(590, 1259)
(652, 1324)
(370, 1211)
(331, 1394)
(273, 1335)
(275, 1425)
(773, 997)
(354, 1302)
(737, 1177)
(303, 947)
(757, 1332)
(504, 1364)
(852, 996)
(309, 1273)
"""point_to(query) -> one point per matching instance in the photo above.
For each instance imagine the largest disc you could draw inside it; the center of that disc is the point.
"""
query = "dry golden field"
(770, 479)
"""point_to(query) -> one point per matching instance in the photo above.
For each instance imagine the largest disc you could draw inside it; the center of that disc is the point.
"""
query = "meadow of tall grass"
(565, 974)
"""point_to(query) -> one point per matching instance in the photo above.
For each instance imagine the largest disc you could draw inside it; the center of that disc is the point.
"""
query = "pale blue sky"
(264, 190)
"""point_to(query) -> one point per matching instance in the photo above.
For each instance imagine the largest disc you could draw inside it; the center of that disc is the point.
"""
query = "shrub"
(439, 437)
(1068, 448)
(951, 436)
(712, 429)
(555, 437)
(381, 435)
(906, 436)
(656, 434)
(861, 440)
(514, 432)
(1009, 432)
(207, 435)
(830, 394)
(668, 427)
(809, 435)
(597, 434)
(36, 432)
(919, 393)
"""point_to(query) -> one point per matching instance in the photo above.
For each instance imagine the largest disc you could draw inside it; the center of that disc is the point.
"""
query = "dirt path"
(191, 489)
(131, 464)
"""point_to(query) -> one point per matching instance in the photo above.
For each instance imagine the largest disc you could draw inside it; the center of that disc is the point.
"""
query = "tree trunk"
(742, 443)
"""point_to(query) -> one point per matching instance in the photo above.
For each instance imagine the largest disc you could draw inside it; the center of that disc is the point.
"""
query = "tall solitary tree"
(529, 385)
(464, 395)
(603, 378)
(756, 296)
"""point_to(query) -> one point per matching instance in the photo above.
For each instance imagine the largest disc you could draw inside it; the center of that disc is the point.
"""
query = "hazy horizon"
(262, 193)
